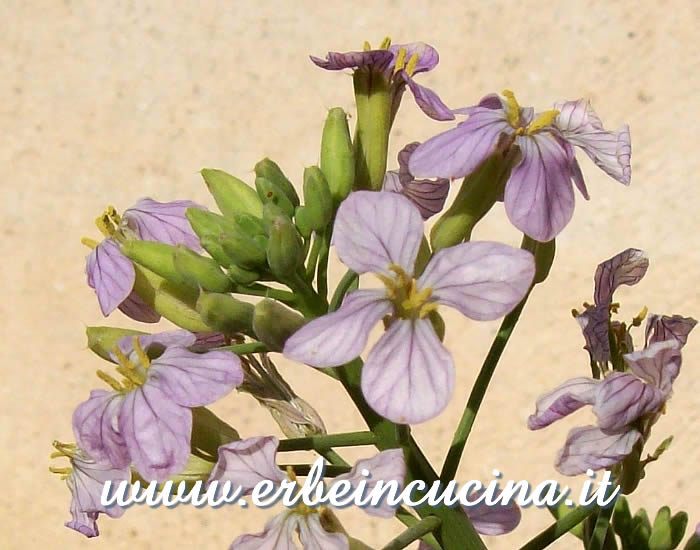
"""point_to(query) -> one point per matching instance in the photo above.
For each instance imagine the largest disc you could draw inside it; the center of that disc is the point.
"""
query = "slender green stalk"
(304, 469)
(409, 520)
(349, 439)
(243, 349)
(559, 528)
(265, 291)
(313, 257)
(344, 286)
(322, 272)
(601, 529)
(412, 534)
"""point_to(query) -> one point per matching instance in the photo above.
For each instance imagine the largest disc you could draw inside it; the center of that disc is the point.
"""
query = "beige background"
(104, 102)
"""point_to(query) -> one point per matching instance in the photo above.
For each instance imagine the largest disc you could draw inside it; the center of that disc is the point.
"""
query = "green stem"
(322, 273)
(412, 534)
(344, 286)
(449, 468)
(313, 257)
(304, 469)
(601, 529)
(409, 520)
(559, 528)
(267, 292)
(244, 349)
(349, 439)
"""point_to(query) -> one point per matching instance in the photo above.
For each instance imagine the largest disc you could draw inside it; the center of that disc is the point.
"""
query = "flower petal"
(483, 280)
(339, 337)
(133, 306)
(659, 364)
(277, 535)
(667, 327)
(110, 274)
(626, 268)
(408, 376)
(164, 222)
(622, 398)
(589, 448)
(247, 462)
(314, 537)
(493, 520)
(83, 522)
(374, 230)
(539, 197)
(206, 341)
(562, 401)
(196, 379)
(337, 61)
(158, 342)
(594, 323)
(89, 478)
(428, 101)
(95, 428)
(156, 431)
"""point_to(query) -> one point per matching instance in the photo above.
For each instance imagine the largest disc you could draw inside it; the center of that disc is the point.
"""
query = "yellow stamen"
(427, 309)
(291, 474)
(64, 449)
(132, 375)
(112, 213)
(412, 64)
(144, 360)
(366, 46)
(122, 358)
(385, 43)
(104, 224)
(416, 299)
(65, 471)
(545, 119)
(513, 108)
(90, 243)
(400, 60)
(109, 380)
(637, 321)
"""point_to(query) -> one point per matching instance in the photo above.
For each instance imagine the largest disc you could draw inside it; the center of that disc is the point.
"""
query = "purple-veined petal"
(133, 306)
(667, 327)
(577, 176)
(110, 274)
(493, 520)
(489, 101)
(594, 323)
(374, 230)
(158, 341)
(408, 376)
(428, 101)
(428, 56)
(621, 399)
(589, 448)
(483, 280)
(156, 431)
(386, 466)
(277, 535)
(314, 537)
(164, 222)
(83, 522)
(658, 364)
(247, 462)
(208, 340)
(337, 61)
(95, 427)
(195, 379)
(89, 478)
(339, 337)
(626, 268)
(539, 197)
(458, 152)
(562, 401)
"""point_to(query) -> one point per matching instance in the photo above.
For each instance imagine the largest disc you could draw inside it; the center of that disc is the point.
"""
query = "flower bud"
(285, 249)
(318, 201)
(249, 225)
(241, 275)
(337, 157)
(232, 195)
(303, 220)
(270, 213)
(211, 244)
(271, 192)
(667, 532)
(244, 251)
(209, 432)
(155, 256)
(225, 313)
(269, 170)
(200, 271)
(544, 256)
(205, 223)
(101, 340)
(273, 323)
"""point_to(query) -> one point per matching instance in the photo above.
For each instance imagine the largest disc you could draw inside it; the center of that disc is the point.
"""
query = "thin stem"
(344, 286)
(322, 272)
(349, 439)
(266, 292)
(449, 468)
(313, 257)
(409, 520)
(304, 469)
(559, 528)
(412, 534)
(244, 349)
(601, 529)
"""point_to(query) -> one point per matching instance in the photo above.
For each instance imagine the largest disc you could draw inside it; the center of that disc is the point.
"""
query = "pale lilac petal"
(658, 364)
(164, 222)
(392, 182)
(89, 478)
(577, 176)
(489, 101)
(483, 280)
(408, 376)
(247, 462)
(133, 306)
(95, 428)
(337, 61)
(110, 274)
(158, 341)
(621, 399)
(83, 522)
(156, 431)
(428, 56)
(562, 401)
(277, 535)
(374, 230)
(428, 101)
(626, 268)
(195, 379)
(341, 336)
(314, 537)
(458, 152)
(589, 448)
(386, 466)
(539, 197)
(493, 520)
(666, 327)
(595, 324)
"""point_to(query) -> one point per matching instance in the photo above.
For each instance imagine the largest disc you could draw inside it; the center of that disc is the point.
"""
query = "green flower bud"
(249, 225)
(337, 157)
(660, 538)
(241, 275)
(225, 313)
(232, 195)
(155, 256)
(205, 223)
(270, 213)
(273, 323)
(101, 340)
(303, 220)
(200, 271)
(318, 201)
(285, 250)
(544, 256)
(209, 432)
(211, 244)
(270, 192)
(243, 251)
(269, 170)
(622, 517)
(638, 535)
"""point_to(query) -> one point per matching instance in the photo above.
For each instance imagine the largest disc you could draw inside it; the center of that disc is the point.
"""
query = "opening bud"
(101, 340)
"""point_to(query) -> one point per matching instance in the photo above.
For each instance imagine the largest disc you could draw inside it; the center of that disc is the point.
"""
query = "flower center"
(409, 301)
(110, 224)
(132, 371)
(544, 120)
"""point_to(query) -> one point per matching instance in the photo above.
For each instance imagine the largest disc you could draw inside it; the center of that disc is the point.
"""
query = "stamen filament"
(109, 380)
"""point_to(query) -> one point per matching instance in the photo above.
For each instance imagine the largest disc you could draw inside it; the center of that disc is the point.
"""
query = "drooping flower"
(111, 274)
(408, 376)
(85, 478)
(428, 195)
(539, 196)
(247, 462)
(146, 420)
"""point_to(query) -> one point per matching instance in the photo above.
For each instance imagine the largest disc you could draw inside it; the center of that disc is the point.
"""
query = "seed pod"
(318, 201)
(155, 256)
(337, 156)
(101, 340)
(200, 271)
(232, 195)
(270, 192)
(225, 313)
(273, 323)
(242, 250)
(269, 170)
(285, 250)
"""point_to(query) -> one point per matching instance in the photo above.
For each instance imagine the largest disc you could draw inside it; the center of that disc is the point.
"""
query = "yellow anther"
(385, 43)
(545, 119)
(513, 108)
(615, 307)
(132, 375)
(90, 243)
(416, 299)
(109, 380)
(403, 278)
(400, 60)
(291, 474)
(112, 213)
(144, 360)
(64, 449)
(122, 359)
(63, 471)
(366, 46)
(412, 64)
(637, 321)
(104, 224)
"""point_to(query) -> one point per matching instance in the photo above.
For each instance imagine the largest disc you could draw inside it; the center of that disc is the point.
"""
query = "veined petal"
(539, 197)
(339, 337)
(163, 222)
(337, 61)
(314, 537)
(594, 323)
(277, 535)
(493, 520)
(95, 428)
(589, 448)
(156, 431)
(110, 274)
(83, 522)
(428, 101)
(247, 462)
(133, 306)
(659, 364)
(428, 56)
(89, 478)
(666, 327)
(374, 230)
(208, 340)
(408, 376)
(562, 401)
(483, 280)
(626, 268)
(195, 379)
(621, 399)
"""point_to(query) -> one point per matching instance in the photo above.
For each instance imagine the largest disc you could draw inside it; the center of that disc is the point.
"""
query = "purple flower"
(146, 421)
(428, 195)
(408, 376)
(539, 196)
(111, 274)
(398, 64)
